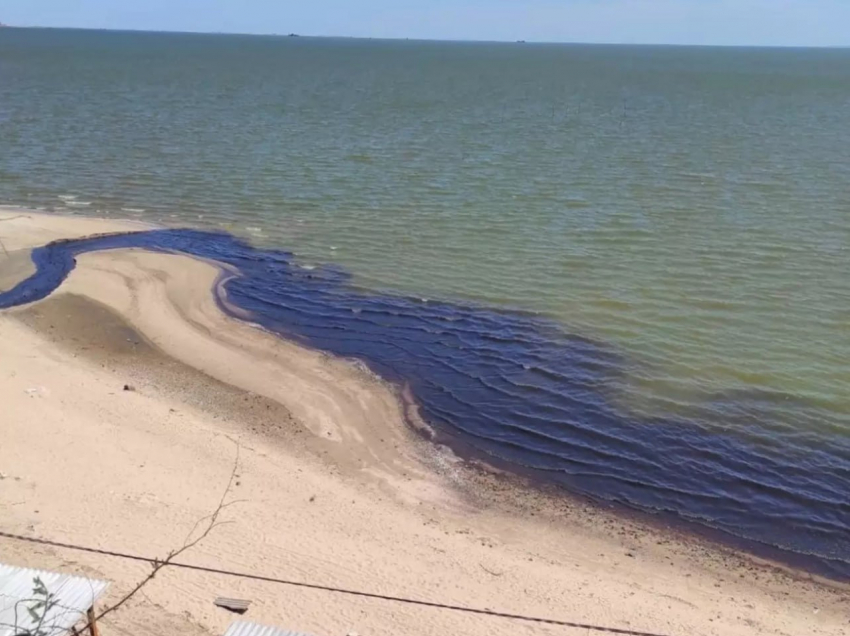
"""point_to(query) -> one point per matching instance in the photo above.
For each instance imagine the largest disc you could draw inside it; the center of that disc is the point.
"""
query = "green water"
(690, 206)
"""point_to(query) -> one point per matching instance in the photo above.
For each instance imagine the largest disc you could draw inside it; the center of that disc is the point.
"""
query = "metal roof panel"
(74, 595)
(244, 628)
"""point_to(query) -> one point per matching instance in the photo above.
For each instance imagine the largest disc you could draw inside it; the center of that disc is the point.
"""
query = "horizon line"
(434, 40)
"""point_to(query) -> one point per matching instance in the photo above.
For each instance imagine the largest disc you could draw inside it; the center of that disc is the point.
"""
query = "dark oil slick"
(518, 388)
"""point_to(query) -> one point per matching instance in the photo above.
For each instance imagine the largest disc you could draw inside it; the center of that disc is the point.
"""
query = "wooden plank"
(92, 622)
(235, 605)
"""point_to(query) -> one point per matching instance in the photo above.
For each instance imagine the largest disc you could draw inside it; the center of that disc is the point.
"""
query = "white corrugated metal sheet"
(244, 628)
(74, 595)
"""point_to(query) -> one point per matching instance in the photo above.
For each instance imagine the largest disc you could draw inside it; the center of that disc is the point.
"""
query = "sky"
(721, 22)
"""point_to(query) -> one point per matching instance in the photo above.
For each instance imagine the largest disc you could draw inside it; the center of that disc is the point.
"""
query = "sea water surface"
(626, 268)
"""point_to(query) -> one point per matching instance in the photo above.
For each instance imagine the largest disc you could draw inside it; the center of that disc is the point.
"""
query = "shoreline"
(522, 482)
(804, 564)
(166, 300)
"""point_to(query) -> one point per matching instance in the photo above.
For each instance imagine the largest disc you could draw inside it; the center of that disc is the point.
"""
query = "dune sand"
(332, 487)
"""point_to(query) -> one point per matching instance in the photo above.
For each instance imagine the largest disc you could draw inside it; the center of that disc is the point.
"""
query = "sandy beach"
(332, 486)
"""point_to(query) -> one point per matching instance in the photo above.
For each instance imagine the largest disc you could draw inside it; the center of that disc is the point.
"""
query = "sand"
(332, 486)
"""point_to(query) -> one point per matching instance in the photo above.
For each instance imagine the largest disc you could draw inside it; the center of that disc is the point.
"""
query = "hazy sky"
(756, 22)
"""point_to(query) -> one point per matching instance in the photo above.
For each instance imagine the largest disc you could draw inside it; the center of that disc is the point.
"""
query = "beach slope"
(129, 397)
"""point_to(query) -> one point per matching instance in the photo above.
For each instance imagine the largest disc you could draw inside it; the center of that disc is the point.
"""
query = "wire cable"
(337, 590)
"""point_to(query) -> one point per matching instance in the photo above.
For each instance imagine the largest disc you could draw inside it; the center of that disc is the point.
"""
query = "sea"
(624, 270)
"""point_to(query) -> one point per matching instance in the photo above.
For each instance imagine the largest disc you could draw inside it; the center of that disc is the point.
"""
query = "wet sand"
(334, 487)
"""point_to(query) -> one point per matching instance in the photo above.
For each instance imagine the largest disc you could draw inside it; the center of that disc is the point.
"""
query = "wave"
(517, 388)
